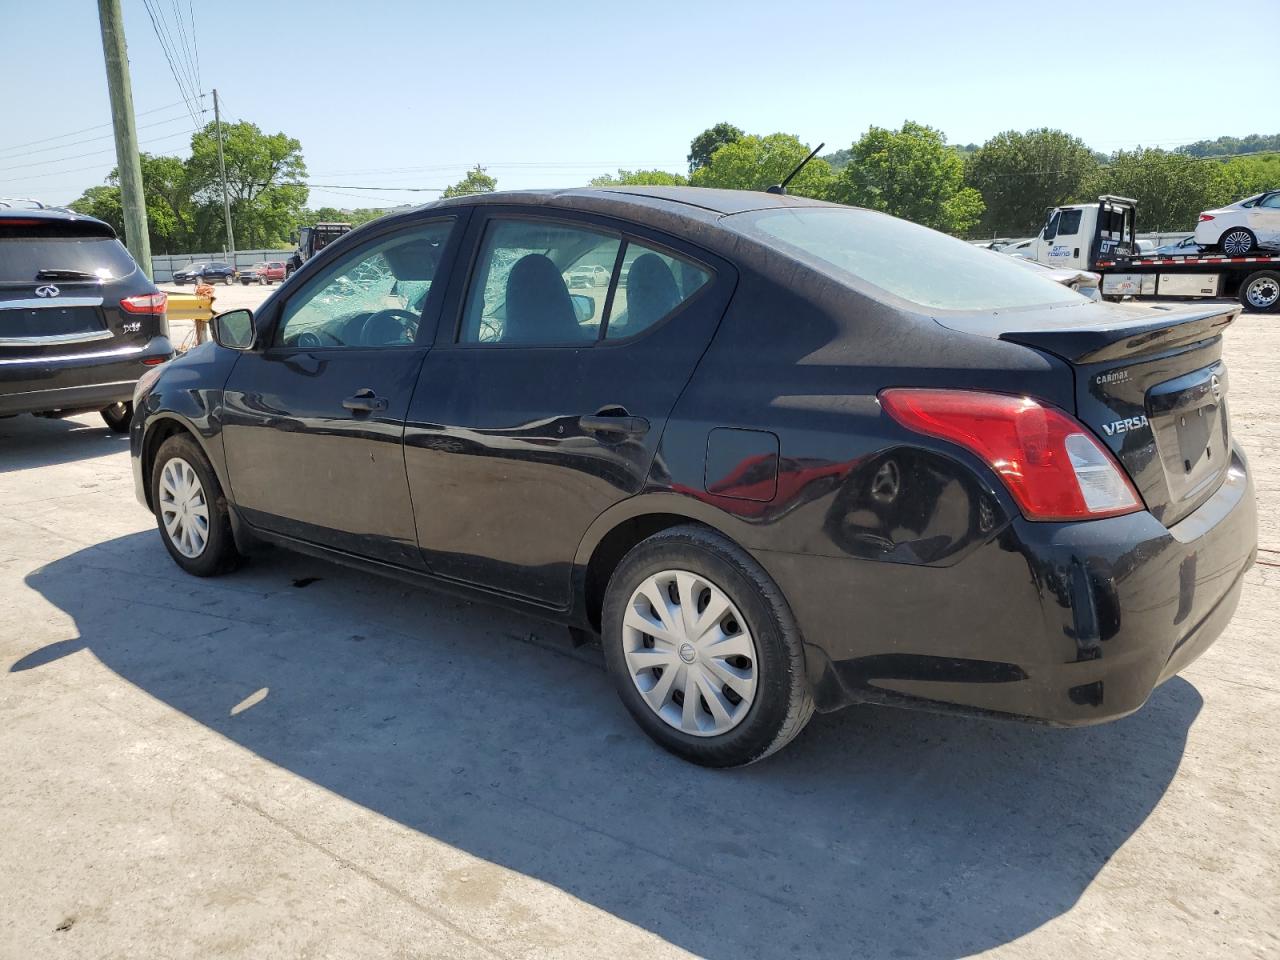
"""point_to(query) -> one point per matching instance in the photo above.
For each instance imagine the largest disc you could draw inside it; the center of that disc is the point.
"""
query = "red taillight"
(154, 361)
(1205, 216)
(150, 303)
(1054, 468)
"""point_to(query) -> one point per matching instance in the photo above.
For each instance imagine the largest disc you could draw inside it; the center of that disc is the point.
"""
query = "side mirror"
(584, 307)
(234, 330)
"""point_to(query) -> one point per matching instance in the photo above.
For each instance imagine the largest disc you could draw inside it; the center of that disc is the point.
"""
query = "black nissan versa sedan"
(790, 456)
(79, 322)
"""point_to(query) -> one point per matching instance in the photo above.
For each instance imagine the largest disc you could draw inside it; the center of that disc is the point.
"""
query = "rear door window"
(535, 283)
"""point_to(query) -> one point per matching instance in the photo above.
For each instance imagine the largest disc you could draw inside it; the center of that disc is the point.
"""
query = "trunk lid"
(1151, 383)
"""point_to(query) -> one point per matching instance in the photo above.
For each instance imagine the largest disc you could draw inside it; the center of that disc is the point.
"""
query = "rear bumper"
(75, 381)
(1066, 624)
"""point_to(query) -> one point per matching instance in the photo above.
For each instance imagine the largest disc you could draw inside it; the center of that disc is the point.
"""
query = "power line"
(76, 143)
(93, 153)
(178, 77)
(96, 126)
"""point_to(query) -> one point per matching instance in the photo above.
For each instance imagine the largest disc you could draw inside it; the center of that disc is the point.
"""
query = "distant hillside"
(1253, 143)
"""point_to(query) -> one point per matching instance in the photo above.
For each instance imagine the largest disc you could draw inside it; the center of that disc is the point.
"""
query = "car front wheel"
(1237, 241)
(191, 511)
(229, 279)
(703, 649)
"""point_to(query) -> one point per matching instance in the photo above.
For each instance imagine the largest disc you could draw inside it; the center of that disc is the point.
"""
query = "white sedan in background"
(1241, 227)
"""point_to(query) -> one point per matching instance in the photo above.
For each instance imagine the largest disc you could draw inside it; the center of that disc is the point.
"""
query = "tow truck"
(1101, 237)
(313, 239)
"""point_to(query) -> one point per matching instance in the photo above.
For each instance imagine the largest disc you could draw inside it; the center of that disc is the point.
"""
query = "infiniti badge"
(49, 290)
(1216, 386)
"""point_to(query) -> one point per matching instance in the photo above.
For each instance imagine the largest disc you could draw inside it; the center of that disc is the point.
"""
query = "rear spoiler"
(1149, 329)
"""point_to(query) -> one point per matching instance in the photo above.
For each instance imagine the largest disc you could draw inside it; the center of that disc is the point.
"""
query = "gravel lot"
(302, 761)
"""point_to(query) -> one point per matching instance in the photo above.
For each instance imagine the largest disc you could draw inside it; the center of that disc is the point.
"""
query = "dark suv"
(209, 271)
(79, 322)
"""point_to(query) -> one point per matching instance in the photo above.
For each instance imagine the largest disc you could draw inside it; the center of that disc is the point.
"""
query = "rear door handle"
(365, 401)
(617, 426)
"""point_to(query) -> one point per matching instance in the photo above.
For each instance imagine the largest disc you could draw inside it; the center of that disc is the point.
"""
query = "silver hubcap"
(1236, 242)
(183, 509)
(1263, 293)
(689, 653)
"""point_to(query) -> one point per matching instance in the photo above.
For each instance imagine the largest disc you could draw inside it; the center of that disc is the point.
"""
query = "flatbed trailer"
(1253, 280)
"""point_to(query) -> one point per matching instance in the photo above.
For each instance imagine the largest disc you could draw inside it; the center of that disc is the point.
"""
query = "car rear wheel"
(703, 649)
(229, 279)
(1261, 291)
(1237, 241)
(191, 511)
(118, 416)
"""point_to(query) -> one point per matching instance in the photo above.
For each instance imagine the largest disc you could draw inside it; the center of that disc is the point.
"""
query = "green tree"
(168, 200)
(265, 181)
(1020, 175)
(1245, 176)
(476, 181)
(634, 178)
(706, 143)
(910, 173)
(756, 163)
(1171, 188)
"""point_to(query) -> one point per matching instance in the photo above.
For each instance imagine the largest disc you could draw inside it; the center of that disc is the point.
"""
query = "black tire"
(118, 416)
(219, 554)
(1260, 292)
(782, 704)
(229, 279)
(1238, 242)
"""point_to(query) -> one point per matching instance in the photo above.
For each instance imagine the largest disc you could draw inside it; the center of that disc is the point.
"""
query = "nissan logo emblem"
(49, 290)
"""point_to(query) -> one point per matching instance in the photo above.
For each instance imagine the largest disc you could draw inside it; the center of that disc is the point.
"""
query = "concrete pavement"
(301, 761)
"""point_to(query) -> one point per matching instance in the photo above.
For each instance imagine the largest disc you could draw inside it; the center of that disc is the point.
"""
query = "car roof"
(54, 215)
(652, 205)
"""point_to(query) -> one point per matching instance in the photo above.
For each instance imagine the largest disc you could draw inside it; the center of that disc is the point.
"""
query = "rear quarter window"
(902, 259)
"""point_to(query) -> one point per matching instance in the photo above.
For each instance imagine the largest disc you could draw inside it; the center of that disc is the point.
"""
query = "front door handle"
(619, 426)
(365, 401)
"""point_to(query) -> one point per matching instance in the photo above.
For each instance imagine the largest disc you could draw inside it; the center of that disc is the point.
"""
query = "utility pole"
(222, 171)
(129, 166)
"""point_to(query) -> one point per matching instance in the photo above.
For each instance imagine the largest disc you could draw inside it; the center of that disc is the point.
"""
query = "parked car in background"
(210, 271)
(592, 275)
(1019, 248)
(79, 322)
(998, 244)
(248, 275)
(1185, 247)
(1240, 228)
(779, 471)
(1084, 282)
(272, 271)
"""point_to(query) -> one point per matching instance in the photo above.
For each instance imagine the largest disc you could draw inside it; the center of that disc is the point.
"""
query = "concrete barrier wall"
(163, 264)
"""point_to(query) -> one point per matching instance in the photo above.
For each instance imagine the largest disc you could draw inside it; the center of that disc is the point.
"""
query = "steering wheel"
(393, 325)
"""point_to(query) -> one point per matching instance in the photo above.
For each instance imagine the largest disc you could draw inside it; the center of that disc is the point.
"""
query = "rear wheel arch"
(614, 533)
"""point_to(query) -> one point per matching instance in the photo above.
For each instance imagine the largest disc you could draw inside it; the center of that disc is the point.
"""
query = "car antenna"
(782, 187)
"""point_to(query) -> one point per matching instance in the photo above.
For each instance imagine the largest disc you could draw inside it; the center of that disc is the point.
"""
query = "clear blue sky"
(550, 93)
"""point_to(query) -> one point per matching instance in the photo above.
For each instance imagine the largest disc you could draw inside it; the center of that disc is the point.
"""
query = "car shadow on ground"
(877, 833)
(28, 442)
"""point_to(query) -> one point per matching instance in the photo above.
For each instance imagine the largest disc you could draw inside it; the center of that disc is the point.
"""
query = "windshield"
(99, 258)
(903, 259)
